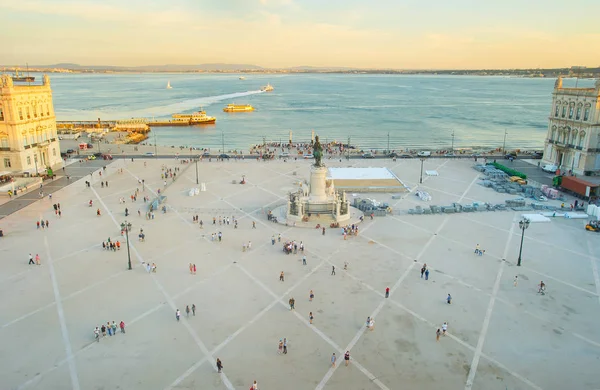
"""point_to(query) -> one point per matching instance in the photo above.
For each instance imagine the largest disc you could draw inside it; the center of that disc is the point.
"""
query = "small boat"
(169, 84)
(267, 88)
(238, 108)
(242, 78)
(17, 77)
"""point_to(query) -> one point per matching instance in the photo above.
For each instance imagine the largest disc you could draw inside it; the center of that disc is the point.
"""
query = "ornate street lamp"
(127, 227)
(523, 225)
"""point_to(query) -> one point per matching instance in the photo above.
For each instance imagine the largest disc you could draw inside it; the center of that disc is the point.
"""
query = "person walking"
(323, 231)
(187, 311)
(255, 386)
(310, 317)
(515, 281)
(103, 329)
(191, 269)
(284, 346)
(333, 270)
(219, 366)
(449, 299)
(31, 259)
(122, 326)
(333, 359)
(311, 295)
(273, 240)
(280, 347)
(97, 334)
(437, 334)
(193, 309)
(347, 358)
(177, 314)
(292, 302)
(423, 268)
(194, 269)
(427, 274)
(109, 328)
(281, 277)
(47, 224)
(220, 236)
(477, 249)
(387, 292)
(444, 328)
(303, 260)
(37, 259)
(253, 225)
(372, 324)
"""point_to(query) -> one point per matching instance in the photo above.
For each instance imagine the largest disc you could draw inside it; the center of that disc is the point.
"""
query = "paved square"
(500, 336)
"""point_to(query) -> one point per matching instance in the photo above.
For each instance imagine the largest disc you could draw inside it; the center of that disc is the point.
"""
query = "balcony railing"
(4, 149)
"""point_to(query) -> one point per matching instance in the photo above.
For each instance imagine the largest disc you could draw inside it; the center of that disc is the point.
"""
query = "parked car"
(308, 156)
(90, 146)
(550, 168)
(92, 157)
(70, 151)
(424, 153)
(223, 156)
(150, 154)
(206, 154)
(368, 155)
(405, 155)
(284, 155)
(537, 155)
(510, 155)
(98, 154)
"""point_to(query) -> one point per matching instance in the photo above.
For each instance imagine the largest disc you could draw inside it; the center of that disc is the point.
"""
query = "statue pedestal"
(318, 188)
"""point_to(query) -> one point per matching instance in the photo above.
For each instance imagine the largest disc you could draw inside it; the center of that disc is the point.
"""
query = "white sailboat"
(169, 84)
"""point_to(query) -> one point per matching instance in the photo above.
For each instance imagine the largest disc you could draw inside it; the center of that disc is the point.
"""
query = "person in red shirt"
(387, 292)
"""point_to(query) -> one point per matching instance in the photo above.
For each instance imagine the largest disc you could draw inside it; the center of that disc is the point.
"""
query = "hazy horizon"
(463, 34)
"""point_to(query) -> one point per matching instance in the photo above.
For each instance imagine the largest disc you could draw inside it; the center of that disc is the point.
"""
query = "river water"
(409, 112)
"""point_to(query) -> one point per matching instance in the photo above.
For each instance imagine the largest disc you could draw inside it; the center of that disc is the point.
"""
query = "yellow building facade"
(28, 137)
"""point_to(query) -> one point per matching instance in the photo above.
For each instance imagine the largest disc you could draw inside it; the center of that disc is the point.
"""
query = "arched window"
(571, 110)
(24, 140)
(578, 114)
(586, 114)
(556, 110)
(564, 111)
(45, 136)
(581, 139)
(31, 139)
(553, 136)
(574, 137)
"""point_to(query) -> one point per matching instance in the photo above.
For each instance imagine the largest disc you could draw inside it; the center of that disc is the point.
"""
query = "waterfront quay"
(500, 334)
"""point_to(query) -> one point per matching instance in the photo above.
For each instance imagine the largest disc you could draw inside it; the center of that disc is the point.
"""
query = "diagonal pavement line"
(232, 336)
(313, 328)
(378, 309)
(63, 322)
(455, 338)
(169, 299)
(488, 314)
(551, 244)
(129, 324)
(594, 268)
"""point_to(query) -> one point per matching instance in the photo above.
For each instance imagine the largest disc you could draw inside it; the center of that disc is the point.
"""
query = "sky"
(375, 34)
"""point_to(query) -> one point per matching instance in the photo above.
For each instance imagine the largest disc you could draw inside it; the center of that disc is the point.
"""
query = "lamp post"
(523, 225)
(388, 148)
(348, 150)
(35, 161)
(452, 141)
(196, 169)
(155, 146)
(127, 227)
(422, 161)
(504, 143)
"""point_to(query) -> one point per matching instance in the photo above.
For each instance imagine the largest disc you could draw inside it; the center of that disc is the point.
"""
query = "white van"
(424, 153)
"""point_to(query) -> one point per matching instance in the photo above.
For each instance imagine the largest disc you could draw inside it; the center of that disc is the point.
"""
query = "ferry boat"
(169, 84)
(267, 88)
(242, 78)
(238, 108)
(16, 77)
(196, 118)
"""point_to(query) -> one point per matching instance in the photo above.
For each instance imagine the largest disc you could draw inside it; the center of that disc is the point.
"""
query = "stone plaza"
(500, 336)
